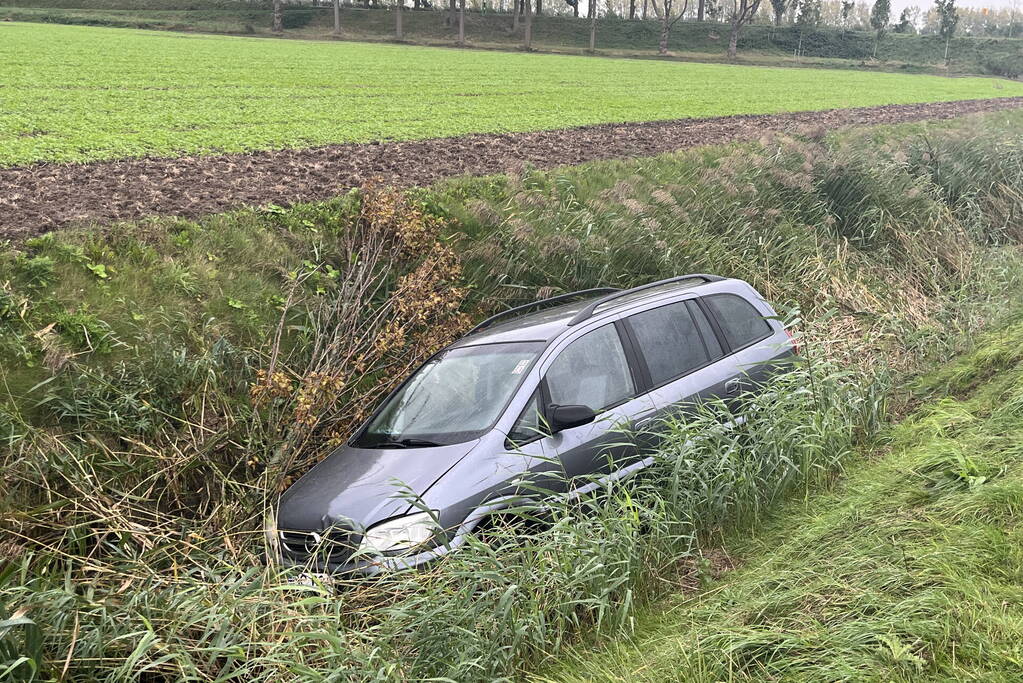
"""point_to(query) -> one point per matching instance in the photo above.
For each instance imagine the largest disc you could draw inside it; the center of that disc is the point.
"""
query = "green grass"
(911, 570)
(76, 94)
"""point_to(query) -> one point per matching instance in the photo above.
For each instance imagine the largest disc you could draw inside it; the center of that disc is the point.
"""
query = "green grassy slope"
(75, 93)
(911, 570)
(759, 43)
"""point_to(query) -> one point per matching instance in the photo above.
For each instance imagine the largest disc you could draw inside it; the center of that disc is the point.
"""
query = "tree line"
(943, 19)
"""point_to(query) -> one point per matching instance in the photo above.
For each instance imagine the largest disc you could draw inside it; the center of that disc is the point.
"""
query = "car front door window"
(591, 371)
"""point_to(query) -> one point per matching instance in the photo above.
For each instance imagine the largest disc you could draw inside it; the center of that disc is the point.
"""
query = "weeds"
(909, 572)
(37, 270)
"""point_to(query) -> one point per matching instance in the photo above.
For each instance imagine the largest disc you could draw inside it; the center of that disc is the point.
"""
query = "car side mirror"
(566, 417)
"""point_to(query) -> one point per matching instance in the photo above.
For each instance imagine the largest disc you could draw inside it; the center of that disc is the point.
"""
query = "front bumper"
(373, 566)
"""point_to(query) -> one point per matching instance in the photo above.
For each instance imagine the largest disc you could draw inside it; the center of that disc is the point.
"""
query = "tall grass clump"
(909, 571)
(163, 382)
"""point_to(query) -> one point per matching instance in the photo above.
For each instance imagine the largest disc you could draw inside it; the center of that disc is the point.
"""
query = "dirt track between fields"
(46, 196)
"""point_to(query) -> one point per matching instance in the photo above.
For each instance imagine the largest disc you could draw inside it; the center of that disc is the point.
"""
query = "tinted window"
(706, 331)
(591, 371)
(669, 341)
(528, 426)
(741, 323)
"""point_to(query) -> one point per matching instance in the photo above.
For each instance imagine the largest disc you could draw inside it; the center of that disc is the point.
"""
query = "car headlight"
(399, 534)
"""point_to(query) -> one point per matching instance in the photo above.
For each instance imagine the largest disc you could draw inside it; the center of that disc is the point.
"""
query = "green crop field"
(76, 93)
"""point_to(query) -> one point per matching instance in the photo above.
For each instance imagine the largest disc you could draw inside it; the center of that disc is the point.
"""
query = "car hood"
(363, 486)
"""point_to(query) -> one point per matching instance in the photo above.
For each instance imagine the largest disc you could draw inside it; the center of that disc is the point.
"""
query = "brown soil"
(42, 197)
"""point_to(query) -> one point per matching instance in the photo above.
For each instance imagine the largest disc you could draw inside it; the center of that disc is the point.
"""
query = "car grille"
(334, 546)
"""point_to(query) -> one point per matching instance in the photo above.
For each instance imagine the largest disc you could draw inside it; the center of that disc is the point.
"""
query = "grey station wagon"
(548, 393)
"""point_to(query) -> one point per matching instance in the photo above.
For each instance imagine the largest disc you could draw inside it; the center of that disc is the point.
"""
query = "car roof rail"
(561, 298)
(587, 312)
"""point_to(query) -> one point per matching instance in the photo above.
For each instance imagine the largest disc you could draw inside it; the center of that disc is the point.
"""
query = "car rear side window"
(709, 336)
(741, 323)
(670, 342)
(591, 371)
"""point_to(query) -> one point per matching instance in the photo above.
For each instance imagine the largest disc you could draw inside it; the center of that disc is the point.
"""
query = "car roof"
(547, 324)
(543, 325)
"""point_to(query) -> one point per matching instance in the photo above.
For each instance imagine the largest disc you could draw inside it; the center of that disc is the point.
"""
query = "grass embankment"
(911, 570)
(758, 43)
(76, 94)
(165, 380)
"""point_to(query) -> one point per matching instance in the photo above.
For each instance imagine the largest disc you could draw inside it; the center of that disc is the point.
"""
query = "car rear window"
(669, 340)
(741, 323)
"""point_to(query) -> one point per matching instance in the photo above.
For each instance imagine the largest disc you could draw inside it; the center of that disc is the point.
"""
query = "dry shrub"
(399, 302)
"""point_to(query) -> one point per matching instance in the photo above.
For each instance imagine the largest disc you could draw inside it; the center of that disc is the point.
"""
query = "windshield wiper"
(407, 443)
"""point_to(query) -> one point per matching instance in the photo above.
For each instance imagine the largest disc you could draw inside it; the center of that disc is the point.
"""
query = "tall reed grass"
(151, 600)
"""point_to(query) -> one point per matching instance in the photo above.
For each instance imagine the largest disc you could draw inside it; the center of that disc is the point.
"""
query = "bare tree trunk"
(575, 9)
(450, 19)
(733, 40)
(527, 42)
(278, 20)
(461, 23)
(665, 13)
(700, 10)
(337, 18)
(644, 8)
(539, 7)
(593, 33)
(632, 9)
(591, 6)
(947, 41)
(398, 32)
(515, 15)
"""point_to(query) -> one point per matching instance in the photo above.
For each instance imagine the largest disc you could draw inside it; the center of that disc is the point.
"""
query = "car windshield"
(457, 396)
